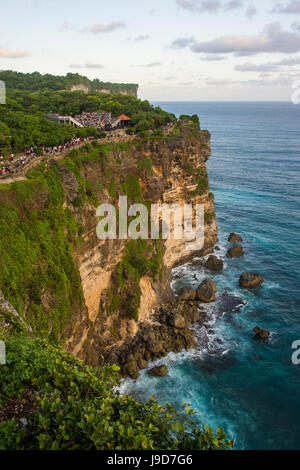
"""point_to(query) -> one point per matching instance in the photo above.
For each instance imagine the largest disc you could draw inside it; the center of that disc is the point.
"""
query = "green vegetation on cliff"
(37, 266)
(48, 398)
(63, 404)
(23, 125)
(36, 81)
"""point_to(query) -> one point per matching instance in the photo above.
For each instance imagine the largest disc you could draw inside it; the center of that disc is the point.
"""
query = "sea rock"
(235, 252)
(154, 345)
(261, 333)
(229, 303)
(206, 291)
(217, 248)
(178, 321)
(132, 369)
(197, 262)
(234, 238)
(142, 364)
(251, 280)
(158, 371)
(187, 293)
(214, 264)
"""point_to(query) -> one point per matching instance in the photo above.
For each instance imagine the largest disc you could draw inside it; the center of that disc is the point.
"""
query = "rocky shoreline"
(168, 329)
(169, 326)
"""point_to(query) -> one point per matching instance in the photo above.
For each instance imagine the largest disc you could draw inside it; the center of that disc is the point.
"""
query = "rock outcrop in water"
(249, 280)
(206, 292)
(214, 263)
(234, 238)
(261, 333)
(235, 252)
(158, 371)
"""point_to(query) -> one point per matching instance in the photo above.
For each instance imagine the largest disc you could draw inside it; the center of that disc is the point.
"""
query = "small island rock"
(158, 371)
(234, 238)
(235, 252)
(248, 280)
(206, 291)
(214, 264)
(261, 333)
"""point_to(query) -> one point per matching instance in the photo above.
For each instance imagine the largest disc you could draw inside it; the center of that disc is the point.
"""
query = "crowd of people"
(101, 121)
(169, 126)
(14, 165)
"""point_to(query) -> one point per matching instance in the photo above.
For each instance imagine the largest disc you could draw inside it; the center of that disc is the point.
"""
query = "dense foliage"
(48, 398)
(36, 81)
(73, 406)
(36, 235)
(29, 98)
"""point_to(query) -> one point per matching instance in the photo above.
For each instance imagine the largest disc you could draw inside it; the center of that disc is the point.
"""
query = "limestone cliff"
(107, 298)
(177, 175)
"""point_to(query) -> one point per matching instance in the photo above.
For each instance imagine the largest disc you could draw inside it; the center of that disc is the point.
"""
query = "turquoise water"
(249, 387)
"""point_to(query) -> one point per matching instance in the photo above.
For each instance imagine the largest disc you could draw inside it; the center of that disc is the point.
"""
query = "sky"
(176, 50)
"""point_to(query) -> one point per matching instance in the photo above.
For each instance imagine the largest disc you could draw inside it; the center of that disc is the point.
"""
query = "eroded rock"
(187, 293)
(261, 333)
(178, 321)
(235, 252)
(234, 238)
(206, 291)
(248, 280)
(197, 262)
(214, 264)
(158, 371)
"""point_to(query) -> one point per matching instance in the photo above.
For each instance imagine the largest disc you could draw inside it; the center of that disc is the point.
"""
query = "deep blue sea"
(249, 387)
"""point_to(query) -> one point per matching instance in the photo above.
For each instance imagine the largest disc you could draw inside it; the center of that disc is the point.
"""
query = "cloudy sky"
(175, 49)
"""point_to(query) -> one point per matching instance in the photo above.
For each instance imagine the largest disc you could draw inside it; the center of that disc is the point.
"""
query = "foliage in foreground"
(73, 406)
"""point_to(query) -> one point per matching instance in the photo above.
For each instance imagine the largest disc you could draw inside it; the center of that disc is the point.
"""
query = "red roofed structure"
(123, 117)
(124, 120)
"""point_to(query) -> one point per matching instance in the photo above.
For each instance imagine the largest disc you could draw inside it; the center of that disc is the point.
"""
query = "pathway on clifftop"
(34, 161)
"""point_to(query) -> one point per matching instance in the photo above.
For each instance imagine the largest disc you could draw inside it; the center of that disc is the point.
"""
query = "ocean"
(249, 387)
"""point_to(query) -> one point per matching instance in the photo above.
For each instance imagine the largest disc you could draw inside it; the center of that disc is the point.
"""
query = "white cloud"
(233, 4)
(66, 26)
(291, 7)
(251, 11)
(210, 6)
(268, 66)
(272, 39)
(152, 64)
(87, 65)
(142, 37)
(7, 54)
(181, 43)
(256, 67)
(99, 28)
(213, 58)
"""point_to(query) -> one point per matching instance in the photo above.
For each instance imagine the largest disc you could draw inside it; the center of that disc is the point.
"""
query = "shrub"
(146, 164)
(75, 407)
(194, 118)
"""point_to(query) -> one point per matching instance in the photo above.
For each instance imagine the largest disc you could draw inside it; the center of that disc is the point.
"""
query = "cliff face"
(178, 176)
(108, 298)
(122, 88)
